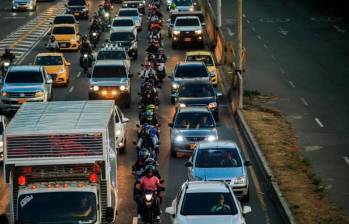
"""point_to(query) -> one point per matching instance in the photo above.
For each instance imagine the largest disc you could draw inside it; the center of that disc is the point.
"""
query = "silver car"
(190, 126)
(25, 83)
(23, 5)
(221, 160)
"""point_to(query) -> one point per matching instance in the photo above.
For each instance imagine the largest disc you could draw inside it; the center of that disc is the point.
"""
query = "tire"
(172, 100)
(246, 198)
(136, 55)
(173, 153)
(127, 102)
(122, 150)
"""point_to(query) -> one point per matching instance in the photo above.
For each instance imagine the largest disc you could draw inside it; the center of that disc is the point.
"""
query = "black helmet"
(144, 154)
(151, 161)
(149, 168)
(7, 50)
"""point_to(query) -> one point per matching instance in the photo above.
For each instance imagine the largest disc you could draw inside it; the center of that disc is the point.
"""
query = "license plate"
(76, 14)
(63, 45)
(187, 39)
(192, 146)
(20, 101)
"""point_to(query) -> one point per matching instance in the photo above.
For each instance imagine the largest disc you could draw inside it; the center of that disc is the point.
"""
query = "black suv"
(78, 8)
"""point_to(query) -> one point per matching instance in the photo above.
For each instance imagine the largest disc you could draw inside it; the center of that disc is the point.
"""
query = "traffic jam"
(116, 115)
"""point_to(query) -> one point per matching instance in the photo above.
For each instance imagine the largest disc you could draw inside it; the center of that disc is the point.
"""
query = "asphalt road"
(172, 169)
(298, 51)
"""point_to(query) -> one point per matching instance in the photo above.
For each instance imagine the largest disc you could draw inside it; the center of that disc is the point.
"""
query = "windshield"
(183, 2)
(109, 72)
(76, 2)
(63, 30)
(187, 22)
(207, 59)
(190, 120)
(49, 60)
(57, 207)
(122, 36)
(196, 90)
(128, 13)
(64, 20)
(217, 157)
(191, 71)
(24, 77)
(123, 22)
(111, 55)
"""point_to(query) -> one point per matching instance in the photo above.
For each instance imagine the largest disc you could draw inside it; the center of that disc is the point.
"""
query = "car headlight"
(191, 8)
(182, 105)
(30, 7)
(212, 105)
(1, 144)
(4, 94)
(6, 63)
(148, 197)
(198, 32)
(61, 71)
(176, 32)
(140, 4)
(122, 88)
(39, 94)
(95, 88)
(175, 85)
(118, 132)
(211, 138)
(239, 180)
(106, 15)
(179, 138)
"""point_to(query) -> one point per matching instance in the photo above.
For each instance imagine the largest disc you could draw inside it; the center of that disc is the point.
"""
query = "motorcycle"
(85, 63)
(148, 206)
(161, 69)
(4, 66)
(105, 21)
(94, 37)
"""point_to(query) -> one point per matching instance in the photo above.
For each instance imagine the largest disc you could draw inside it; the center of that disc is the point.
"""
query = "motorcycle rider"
(139, 167)
(149, 117)
(8, 55)
(153, 48)
(86, 48)
(148, 138)
(161, 57)
(95, 26)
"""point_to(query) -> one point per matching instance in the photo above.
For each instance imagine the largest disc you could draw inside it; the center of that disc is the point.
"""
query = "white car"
(134, 14)
(3, 122)
(123, 23)
(206, 202)
(120, 130)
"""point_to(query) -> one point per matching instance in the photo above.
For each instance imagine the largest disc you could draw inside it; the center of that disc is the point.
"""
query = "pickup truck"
(187, 30)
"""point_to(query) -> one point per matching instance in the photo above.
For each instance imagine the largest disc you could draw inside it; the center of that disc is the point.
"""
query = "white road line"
(265, 46)
(231, 33)
(304, 101)
(248, 21)
(273, 57)
(259, 37)
(134, 220)
(253, 29)
(339, 29)
(78, 75)
(319, 122)
(346, 159)
(282, 71)
(71, 89)
(244, 15)
(292, 84)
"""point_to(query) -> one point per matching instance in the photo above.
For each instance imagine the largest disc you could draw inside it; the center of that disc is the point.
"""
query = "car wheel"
(136, 55)
(128, 102)
(173, 153)
(246, 198)
(122, 150)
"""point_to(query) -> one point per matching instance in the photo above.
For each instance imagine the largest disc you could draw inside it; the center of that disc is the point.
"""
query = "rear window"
(207, 59)
(183, 2)
(123, 22)
(122, 36)
(76, 2)
(64, 20)
(187, 22)
(109, 72)
(63, 30)
(24, 77)
(191, 71)
(49, 60)
(128, 13)
(111, 55)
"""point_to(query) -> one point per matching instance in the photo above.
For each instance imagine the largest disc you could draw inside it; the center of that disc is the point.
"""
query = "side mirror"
(188, 164)
(246, 210)
(168, 21)
(170, 125)
(247, 163)
(134, 142)
(138, 126)
(170, 25)
(130, 75)
(125, 120)
(109, 214)
(170, 210)
(49, 81)
(219, 95)
(67, 63)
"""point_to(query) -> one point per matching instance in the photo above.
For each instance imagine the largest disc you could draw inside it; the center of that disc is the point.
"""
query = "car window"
(123, 22)
(208, 203)
(183, 2)
(24, 77)
(215, 157)
(128, 13)
(196, 90)
(117, 118)
(111, 55)
(64, 20)
(207, 59)
(109, 72)
(122, 36)
(190, 120)
(49, 60)
(187, 22)
(63, 30)
(191, 71)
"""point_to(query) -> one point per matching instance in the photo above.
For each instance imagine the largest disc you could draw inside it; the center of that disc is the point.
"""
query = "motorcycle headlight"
(239, 180)
(175, 85)
(95, 88)
(176, 32)
(179, 138)
(94, 34)
(148, 197)
(6, 64)
(39, 94)
(122, 88)
(182, 105)
(106, 15)
(211, 138)
(4, 94)
(212, 105)
(85, 55)
(198, 32)
(118, 132)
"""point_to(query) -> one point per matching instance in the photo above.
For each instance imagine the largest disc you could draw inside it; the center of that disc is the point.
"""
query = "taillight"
(22, 180)
(93, 178)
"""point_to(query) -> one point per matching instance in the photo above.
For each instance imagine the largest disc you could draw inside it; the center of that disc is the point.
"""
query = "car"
(110, 80)
(25, 83)
(56, 66)
(120, 130)
(126, 39)
(139, 4)
(183, 5)
(3, 124)
(185, 72)
(78, 8)
(221, 161)
(65, 19)
(24, 5)
(113, 52)
(198, 93)
(123, 23)
(187, 30)
(173, 16)
(191, 125)
(67, 36)
(199, 202)
(208, 59)
(134, 14)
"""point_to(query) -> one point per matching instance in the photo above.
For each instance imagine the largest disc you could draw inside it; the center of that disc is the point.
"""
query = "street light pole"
(238, 69)
(219, 13)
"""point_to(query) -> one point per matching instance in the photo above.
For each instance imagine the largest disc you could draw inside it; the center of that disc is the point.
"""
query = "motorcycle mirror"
(138, 126)
(134, 142)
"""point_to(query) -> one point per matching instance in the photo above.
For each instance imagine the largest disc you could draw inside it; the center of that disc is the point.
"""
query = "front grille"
(187, 33)
(195, 139)
(10, 102)
(21, 95)
(64, 44)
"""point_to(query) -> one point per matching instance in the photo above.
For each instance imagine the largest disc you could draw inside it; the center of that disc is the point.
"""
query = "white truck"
(60, 163)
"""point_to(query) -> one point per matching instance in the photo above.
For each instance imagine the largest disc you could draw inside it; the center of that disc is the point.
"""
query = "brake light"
(22, 180)
(65, 185)
(93, 178)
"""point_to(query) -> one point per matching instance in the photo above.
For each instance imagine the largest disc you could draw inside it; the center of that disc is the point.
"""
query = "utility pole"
(219, 13)
(238, 69)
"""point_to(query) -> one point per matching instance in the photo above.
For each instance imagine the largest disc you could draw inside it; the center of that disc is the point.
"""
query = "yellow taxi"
(67, 36)
(56, 66)
(207, 58)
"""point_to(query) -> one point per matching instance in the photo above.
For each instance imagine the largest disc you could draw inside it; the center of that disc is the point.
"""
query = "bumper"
(187, 39)
(118, 97)
(59, 80)
(185, 147)
(22, 7)
(78, 14)
(64, 45)
(9, 104)
(240, 190)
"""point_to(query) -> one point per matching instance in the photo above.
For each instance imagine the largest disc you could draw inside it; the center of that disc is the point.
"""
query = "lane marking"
(292, 84)
(312, 148)
(253, 29)
(71, 89)
(244, 15)
(339, 29)
(78, 75)
(304, 101)
(282, 31)
(231, 33)
(259, 37)
(282, 71)
(273, 57)
(265, 46)
(346, 159)
(134, 220)
(248, 21)
(319, 122)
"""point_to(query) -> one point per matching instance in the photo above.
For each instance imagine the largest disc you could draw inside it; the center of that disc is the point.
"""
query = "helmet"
(148, 115)
(147, 64)
(7, 50)
(149, 168)
(84, 37)
(150, 161)
(144, 154)
(52, 38)
(150, 107)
